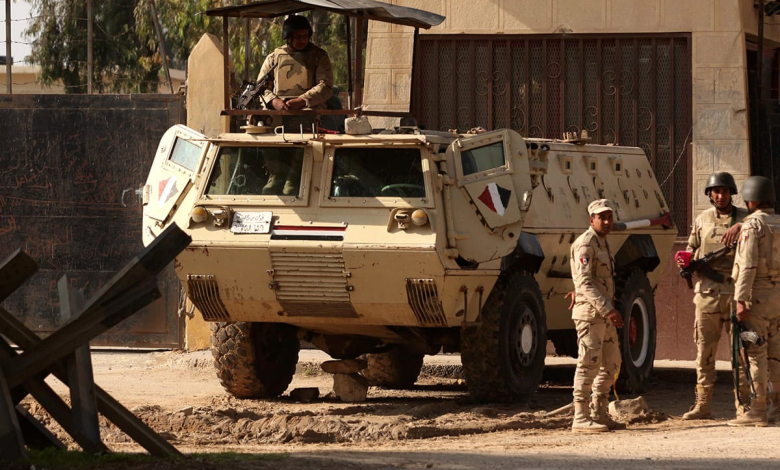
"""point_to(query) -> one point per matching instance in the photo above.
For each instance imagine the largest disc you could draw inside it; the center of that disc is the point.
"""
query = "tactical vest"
(712, 229)
(294, 72)
(768, 268)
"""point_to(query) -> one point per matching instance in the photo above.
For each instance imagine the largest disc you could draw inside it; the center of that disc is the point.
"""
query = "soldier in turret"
(302, 73)
(756, 273)
(712, 299)
(596, 319)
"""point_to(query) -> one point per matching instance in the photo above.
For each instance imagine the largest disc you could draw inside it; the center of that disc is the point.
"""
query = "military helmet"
(720, 179)
(295, 23)
(758, 189)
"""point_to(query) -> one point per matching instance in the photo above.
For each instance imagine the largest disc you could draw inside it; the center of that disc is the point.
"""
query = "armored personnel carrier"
(399, 243)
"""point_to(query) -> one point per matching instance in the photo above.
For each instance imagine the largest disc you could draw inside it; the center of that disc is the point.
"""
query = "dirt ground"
(434, 425)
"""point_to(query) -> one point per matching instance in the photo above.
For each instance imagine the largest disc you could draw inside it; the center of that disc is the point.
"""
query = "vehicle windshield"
(267, 171)
(377, 172)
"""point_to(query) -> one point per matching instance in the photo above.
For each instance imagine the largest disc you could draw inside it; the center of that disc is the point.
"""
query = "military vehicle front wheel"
(254, 360)
(634, 300)
(503, 357)
(397, 368)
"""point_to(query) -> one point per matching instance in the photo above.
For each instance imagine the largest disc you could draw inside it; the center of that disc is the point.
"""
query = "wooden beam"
(79, 366)
(11, 443)
(35, 434)
(14, 271)
(132, 288)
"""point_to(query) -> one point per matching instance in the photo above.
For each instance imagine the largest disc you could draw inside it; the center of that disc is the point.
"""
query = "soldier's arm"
(323, 79)
(745, 261)
(268, 64)
(583, 275)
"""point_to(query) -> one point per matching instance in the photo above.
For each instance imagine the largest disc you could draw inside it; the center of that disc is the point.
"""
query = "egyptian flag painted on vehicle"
(166, 189)
(495, 198)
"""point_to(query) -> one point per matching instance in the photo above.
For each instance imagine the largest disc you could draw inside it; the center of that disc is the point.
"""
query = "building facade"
(677, 78)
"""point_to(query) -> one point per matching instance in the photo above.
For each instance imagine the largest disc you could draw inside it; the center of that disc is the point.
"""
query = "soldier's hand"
(570, 296)
(279, 103)
(615, 318)
(296, 103)
(742, 311)
(730, 237)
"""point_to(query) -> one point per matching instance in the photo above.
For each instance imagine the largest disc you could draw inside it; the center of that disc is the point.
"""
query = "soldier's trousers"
(765, 359)
(599, 357)
(713, 312)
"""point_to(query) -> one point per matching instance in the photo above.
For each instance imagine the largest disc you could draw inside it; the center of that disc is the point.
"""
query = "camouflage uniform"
(592, 268)
(305, 74)
(756, 273)
(713, 304)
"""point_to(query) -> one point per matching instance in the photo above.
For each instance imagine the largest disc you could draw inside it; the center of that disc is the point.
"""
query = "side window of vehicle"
(185, 153)
(481, 159)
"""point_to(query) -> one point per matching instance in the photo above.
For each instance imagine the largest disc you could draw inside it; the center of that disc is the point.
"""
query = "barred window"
(632, 90)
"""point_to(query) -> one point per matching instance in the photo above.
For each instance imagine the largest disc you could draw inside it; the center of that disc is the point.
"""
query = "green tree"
(126, 52)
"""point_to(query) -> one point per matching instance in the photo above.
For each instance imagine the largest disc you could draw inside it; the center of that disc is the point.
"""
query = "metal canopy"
(369, 9)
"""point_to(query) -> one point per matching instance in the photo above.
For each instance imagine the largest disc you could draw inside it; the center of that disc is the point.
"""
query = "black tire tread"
(631, 379)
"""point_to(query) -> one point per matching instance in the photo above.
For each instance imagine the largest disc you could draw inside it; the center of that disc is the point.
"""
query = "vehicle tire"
(397, 368)
(503, 357)
(254, 360)
(565, 342)
(634, 300)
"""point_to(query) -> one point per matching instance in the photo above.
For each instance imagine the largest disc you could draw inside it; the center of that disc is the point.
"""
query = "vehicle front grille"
(424, 300)
(312, 284)
(204, 294)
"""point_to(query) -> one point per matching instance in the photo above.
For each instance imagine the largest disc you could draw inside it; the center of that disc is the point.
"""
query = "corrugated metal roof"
(369, 9)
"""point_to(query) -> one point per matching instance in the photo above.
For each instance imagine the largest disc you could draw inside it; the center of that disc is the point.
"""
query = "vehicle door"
(176, 163)
(493, 193)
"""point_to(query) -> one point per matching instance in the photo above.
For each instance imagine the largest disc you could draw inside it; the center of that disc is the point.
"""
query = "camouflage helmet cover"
(758, 189)
(295, 23)
(720, 179)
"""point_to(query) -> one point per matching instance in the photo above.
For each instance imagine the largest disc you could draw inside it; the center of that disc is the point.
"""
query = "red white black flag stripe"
(495, 198)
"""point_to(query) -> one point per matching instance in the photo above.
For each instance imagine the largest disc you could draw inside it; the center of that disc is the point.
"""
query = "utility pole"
(8, 59)
(759, 78)
(89, 47)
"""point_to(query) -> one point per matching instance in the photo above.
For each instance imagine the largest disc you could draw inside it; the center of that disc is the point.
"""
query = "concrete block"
(730, 87)
(688, 15)
(582, 16)
(718, 122)
(718, 49)
(527, 16)
(633, 16)
(727, 15)
(350, 387)
(473, 16)
(704, 84)
(344, 366)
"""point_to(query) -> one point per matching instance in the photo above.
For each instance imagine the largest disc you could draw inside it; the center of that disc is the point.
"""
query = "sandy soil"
(435, 425)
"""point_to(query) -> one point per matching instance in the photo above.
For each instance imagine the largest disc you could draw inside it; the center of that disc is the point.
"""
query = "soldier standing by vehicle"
(756, 272)
(596, 320)
(712, 299)
(302, 73)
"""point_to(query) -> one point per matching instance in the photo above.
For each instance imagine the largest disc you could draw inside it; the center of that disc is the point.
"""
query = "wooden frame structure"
(65, 354)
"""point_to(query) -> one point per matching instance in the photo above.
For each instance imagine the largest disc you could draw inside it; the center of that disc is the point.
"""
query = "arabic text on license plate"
(251, 222)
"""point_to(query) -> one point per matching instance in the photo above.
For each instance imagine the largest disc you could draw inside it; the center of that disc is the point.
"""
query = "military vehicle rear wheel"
(397, 368)
(634, 300)
(254, 360)
(503, 358)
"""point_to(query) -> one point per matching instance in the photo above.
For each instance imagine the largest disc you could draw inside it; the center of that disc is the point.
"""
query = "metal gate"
(623, 89)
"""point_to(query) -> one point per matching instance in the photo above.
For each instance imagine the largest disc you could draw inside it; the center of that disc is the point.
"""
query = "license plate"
(251, 222)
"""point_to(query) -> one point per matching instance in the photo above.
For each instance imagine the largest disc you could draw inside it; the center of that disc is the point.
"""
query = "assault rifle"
(702, 267)
(252, 89)
(740, 337)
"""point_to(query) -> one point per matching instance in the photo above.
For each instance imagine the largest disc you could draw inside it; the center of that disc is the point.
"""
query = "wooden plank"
(52, 403)
(17, 332)
(79, 366)
(11, 443)
(40, 357)
(14, 270)
(107, 308)
(35, 434)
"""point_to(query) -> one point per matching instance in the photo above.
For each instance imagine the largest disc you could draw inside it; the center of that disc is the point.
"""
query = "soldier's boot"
(582, 421)
(599, 413)
(274, 185)
(742, 395)
(756, 416)
(701, 407)
(773, 407)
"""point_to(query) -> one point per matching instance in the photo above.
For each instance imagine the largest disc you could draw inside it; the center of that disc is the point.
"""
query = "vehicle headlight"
(419, 217)
(199, 214)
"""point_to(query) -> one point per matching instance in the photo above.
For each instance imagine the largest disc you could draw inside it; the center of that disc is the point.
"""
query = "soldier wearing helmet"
(712, 299)
(302, 74)
(756, 273)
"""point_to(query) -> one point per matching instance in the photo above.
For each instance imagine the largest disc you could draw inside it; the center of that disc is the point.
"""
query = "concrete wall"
(23, 81)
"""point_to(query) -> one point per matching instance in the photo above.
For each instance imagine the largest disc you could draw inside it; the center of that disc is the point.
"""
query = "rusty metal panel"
(626, 89)
(72, 168)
